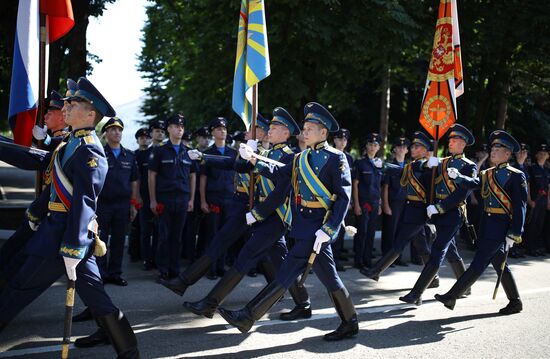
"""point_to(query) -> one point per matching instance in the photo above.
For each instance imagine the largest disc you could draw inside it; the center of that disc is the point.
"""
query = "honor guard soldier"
(54, 125)
(172, 194)
(117, 201)
(504, 192)
(393, 196)
(216, 189)
(63, 241)
(413, 218)
(447, 214)
(539, 178)
(234, 228)
(341, 139)
(267, 233)
(321, 182)
(367, 183)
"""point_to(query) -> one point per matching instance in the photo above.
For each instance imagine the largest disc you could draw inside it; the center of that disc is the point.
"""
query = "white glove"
(70, 267)
(320, 238)
(377, 162)
(252, 144)
(432, 228)
(39, 133)
(34, 226)
(453, 172)
(433, 162)
(431, 210)
(250, 218)
(195, 155)
(245, 151)
(509, 243)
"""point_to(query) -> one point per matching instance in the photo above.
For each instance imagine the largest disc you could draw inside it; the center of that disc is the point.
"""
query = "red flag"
(60, 18)
(445, 79)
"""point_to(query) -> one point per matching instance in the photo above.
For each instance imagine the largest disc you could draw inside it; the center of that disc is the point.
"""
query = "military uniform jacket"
(221, 181)
(396, 193)
(142, 160)
(538, 179)
(122, 172)
(331, 170)
(370, 182)
(173, 169)
(504, 192)
(65, 230)
(413, 182)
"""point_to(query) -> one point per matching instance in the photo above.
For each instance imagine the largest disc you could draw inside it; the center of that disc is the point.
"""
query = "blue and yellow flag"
(252, 62)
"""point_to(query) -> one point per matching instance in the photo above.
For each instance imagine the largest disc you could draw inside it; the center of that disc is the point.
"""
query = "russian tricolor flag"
(25, 72)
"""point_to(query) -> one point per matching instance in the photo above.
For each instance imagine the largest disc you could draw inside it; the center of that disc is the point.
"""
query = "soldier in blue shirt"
(504, 192)
(172, 194)
(321, 188)
(63, 242)
(539, 189)
(216, 189)
(114, 208)
(367, 182)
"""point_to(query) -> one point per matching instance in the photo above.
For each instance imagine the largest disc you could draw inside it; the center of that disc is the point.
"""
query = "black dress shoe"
(85, 315)
(116, 281)
(513, 307)
(299, 312)
(212, 276)
(97, 338)
(370, 274)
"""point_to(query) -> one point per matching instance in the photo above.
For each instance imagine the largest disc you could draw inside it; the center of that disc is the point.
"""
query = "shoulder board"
(288, 150)
(468, 161)
(333, 150)
(513, 169)
(89, 139)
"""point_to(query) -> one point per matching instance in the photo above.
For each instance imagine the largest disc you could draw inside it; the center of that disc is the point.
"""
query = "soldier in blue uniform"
(539, 180)
(114, 208)
(341, 138)
(504, 192)
(413, 217)
(54, 129)
(63, 242)
(393, 196)
(447, 214)
(147, 224)
(267, 233)
(519, 162)
(367, 182)
(321, 182)
(216, 189)
(172, 194)
(235, 227)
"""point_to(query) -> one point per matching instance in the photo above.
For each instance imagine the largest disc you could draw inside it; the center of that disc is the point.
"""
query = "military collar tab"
(279, 146)
(458, 156)
(502, 165)
(83, 132)
(319, 145)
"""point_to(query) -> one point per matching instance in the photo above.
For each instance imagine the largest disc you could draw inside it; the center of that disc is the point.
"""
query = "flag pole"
(253, 137)
(434, 169)
(41, 92)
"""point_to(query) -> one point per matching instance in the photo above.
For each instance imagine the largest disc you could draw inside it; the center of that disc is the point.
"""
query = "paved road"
(387, 329)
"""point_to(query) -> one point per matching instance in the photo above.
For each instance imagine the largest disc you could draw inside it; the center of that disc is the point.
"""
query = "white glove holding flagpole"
(433, 162)
(253, 144)
(39, 133)
(245, 151)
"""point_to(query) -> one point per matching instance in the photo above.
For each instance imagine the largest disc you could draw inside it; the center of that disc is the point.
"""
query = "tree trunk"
(385, 108)
(502, 109)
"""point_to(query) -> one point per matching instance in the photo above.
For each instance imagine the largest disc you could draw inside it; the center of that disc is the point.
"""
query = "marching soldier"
(267, 233)
(367, 183)
(54, 129)
(447, 213)
(63, 242)
(117, 201)
(216, 189)
(172, 194)
(321, 182)
(502, 223)
(539, 179)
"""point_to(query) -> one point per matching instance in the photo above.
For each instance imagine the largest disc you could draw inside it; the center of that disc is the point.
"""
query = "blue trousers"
(296, 261)
(266, 238)
(148, 233)
(364, 239)
(233, 229)
(113, 219)
(490, 244)
(170, 227)
(214, 222)
(407, 232)
(445, 244)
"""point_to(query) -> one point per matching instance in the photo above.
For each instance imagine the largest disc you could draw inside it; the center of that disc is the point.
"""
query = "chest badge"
(92, 162)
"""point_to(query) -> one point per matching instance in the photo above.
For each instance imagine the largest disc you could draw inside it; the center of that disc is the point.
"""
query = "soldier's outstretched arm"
(217, 161)
(89, 175)
(27, 158)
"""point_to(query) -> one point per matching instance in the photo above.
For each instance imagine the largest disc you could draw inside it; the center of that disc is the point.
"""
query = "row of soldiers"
(299, 195)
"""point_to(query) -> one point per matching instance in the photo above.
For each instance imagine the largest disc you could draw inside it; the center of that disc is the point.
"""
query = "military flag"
(252, 61)
(445, 78)
(24, 89)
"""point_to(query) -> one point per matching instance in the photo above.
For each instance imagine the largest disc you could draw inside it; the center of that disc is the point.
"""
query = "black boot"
(188, 277)
(435, 281)
(459, 269)
(346, 311)
(380, 266)
(426, 277)
(83, 316)
(509, 285)
(464, 282)
(98, 338)
(208, 305)
(243, 319)
(120, 334)
(301, 299)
